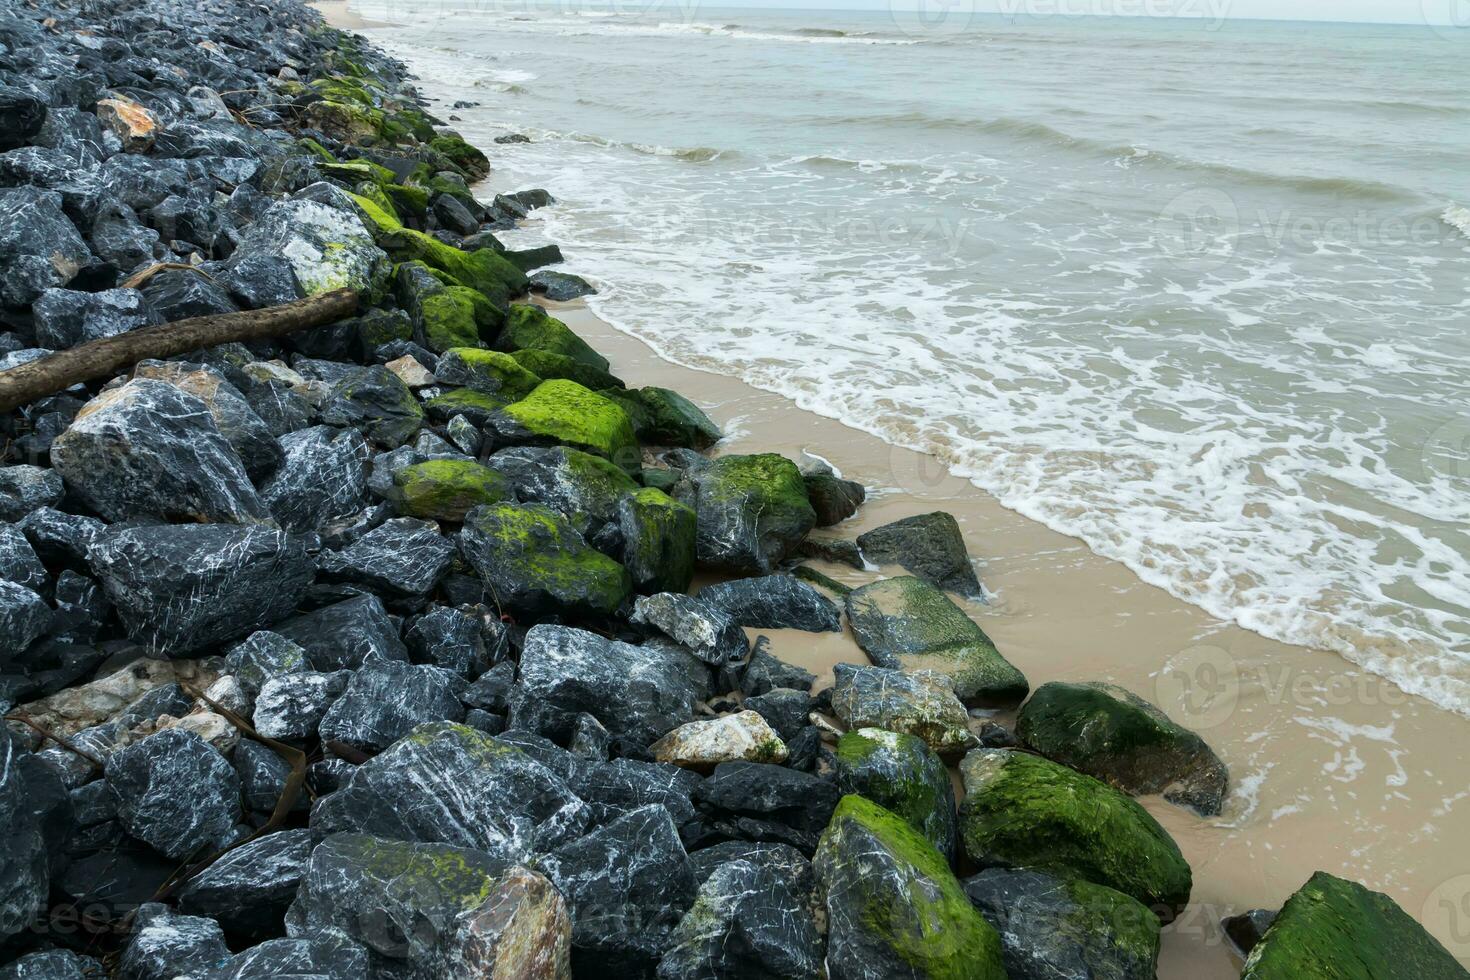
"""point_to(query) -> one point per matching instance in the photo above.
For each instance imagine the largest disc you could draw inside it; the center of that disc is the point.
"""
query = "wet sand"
(1331, 768)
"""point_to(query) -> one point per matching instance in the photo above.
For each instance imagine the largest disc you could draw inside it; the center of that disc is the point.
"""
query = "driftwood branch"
(101, 358)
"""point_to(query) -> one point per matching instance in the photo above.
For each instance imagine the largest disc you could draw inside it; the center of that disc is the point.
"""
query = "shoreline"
(1327, 761)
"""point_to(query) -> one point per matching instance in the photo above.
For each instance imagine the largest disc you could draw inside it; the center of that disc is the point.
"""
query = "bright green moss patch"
(446, 489)
(549, 365)
(666, 418)
(412, 201)
(477, 407)
(532, 328)
(481, 270)
(902, 774)
(466, 157)
(658, 541)
(565, 413)
(489, 371)
(449, 319)
(356, 171)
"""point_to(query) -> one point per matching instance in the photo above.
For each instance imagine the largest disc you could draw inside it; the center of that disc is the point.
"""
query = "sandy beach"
(1332, 768)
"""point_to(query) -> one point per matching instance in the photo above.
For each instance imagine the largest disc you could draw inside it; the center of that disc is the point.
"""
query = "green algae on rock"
(894, 909)
(658, 541)
(1113, 734)
(529, 327)
(752, 511)
(1333, 929)
(489, 371)
(534, 562)
(907, 624)
(477, 407)
(917, 703)
(549, 365)
(446, 489)
(1023, 811)
(666, 418)
(565, 413)
(902, 774)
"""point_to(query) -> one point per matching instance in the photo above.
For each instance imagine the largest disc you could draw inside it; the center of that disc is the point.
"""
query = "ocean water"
(1195, 292)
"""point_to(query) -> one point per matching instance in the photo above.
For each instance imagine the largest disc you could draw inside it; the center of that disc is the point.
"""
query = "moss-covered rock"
(1023, 811)
(550, 365)
(902, 774)
(907, 624)
(356, 171)
(478, 408)
(444, 315)
(534, 563)
(446, 489)
(893, 907)
(658, 541)
(583, 488)
(565, 413)
(489, 371)
(1053, 928)
(482, 270)
(348, 122)
(408, 202)
(1332, 929)
(465, 156)
(920, 703)
(1113, 734)
(752, 512)
(666, 418)
(530, 327)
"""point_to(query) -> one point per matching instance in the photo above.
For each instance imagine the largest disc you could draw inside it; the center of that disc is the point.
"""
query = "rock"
(150, 449)
(55, 964)
(98, 702)
(249, 889)
(181, 587)
(449, 784)
(1336, 928)
(373, 401)
(666, 418)
(920, 703)
(536, 563)
(1054, 929)
(658, 536)
(764, 673)
(60, 539)
(785, 709)
(24, 616)
(560, 412)
(773, 602)
(65, 317)
(21, 117)
(560, 286)
(175, 793)
(263, 776)
(1021, 810)
(628, 884)
(262, 656)
(18, 562)
(328, 248)
(832, 498)
(548, 366)
(757, 801)
(752, 512)
(1245, 930)
(521, 930)
(928, 545)
(321, 956)
(745, 922)
(385, 700)
(531, 328)
(346, 635)
(829, 547)
(710, 635)
(450, 638)
(256, 281)
(292, 706)
(401, 557)
(893, 907)
(166, 945)
(446, 489)
(904, 776)
(134, 125)
(39, 246)
(183, 295)
(400, 900)
(120, 239)
(492, 372)
(27, 488)
(637, 692)
(585, 489)
(1114, 735)
(323, 478)
(907, 624)
(236, 420)
(24, 866)
(743, 736)
(615, 787)
(408, 370)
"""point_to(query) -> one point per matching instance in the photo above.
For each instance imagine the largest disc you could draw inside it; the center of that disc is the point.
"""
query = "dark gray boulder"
(166, 945)
(386, 700)
(615, 787)
(402, 557)
(452, 638)
(833, 498)
(22, 114)
(292, 706)
(928, 545)
(39, 246)
(346, 634)
(637, 692)
(904, 776)
(627, 884)
(263, 777)
(326, 955)
(449, 784)
(261, 656)
(181, 587)
(751, 511)
(24, 488)
(54, 964)
(1246, 929)
(18, 561)
(773, 602)
(584, 489)
(184, 586)
(322, 477)
(785, 709)
(376, 403)
(746, 921)
(764, 672)
(662, 417)
(764, 802)
(237, 421)
(148, 448)
(65, 318)
(249, 889)
(58, 538)
(1053, 929)
(256, 281)
(709, 633)
(560, 286)
(118, 237)
(24, 868)
(175, 793)
(182, 295)
(919, 703)
(24, 617)
(658, 536)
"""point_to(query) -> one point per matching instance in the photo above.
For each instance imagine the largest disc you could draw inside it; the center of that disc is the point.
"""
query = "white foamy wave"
(1458, 218)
